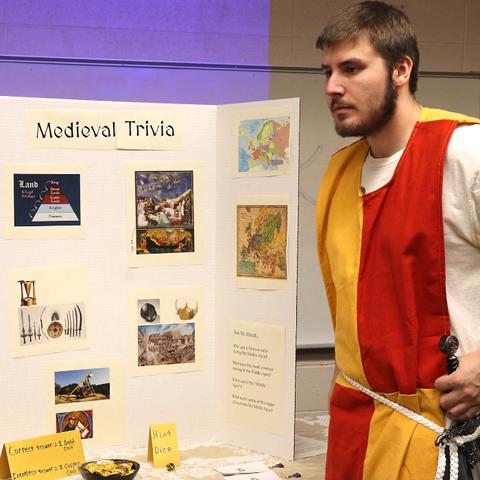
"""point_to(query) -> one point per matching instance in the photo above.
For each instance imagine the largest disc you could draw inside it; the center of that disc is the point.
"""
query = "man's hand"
(460, 391)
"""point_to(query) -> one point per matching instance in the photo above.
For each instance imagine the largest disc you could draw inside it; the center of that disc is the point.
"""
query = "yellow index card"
(42, 458)
(163, 445)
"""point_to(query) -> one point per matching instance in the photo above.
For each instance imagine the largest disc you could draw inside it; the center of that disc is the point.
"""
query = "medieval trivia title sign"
(97, 130)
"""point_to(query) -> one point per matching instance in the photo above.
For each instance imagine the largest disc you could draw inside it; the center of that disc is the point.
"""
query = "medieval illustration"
(262, 241)
(39, 323)
(164, 212)
(82, 385)
(81, 420)
(264, 145)
(166, 344)
(48, 309)
(166, 329)
(42, 200)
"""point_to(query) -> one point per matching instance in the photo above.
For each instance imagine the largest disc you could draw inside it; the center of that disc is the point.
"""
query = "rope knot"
(448, 440)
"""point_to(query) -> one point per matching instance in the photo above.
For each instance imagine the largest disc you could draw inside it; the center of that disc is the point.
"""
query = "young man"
(399, 247)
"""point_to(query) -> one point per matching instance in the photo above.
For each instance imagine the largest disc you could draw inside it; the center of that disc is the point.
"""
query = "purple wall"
(198, 31)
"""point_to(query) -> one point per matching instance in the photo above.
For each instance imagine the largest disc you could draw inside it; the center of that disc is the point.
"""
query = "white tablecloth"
(197, 462)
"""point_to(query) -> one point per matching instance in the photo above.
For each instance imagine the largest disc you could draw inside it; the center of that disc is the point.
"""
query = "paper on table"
(163, 445)
(269, 475)
(243, 468)
(48, 457)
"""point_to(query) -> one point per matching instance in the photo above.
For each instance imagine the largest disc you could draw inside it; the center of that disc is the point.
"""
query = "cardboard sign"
(42, 458)
(163, 445)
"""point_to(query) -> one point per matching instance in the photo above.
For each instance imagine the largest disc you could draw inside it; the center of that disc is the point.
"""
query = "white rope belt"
(453, 443)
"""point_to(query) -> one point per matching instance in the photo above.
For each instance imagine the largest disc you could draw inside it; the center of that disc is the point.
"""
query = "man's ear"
(401, 71)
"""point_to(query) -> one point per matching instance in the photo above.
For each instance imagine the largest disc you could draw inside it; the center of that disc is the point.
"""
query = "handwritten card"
(163, 445)
(42, 458)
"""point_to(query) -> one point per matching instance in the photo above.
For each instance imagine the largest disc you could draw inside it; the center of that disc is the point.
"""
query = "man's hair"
(388, 28)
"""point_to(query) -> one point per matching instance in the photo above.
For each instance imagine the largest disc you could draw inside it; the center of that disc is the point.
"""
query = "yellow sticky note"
(163, 445)
(42, 458)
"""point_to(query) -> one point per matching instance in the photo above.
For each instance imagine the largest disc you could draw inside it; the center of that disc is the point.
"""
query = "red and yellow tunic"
(383, 263)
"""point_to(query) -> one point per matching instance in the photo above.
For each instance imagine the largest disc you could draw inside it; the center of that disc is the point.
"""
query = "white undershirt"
(461, 218)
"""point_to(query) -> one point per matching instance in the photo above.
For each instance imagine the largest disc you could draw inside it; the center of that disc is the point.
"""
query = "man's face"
(359, 87)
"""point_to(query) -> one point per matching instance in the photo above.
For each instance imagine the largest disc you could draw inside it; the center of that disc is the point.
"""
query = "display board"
(150, 259)
(204, 84)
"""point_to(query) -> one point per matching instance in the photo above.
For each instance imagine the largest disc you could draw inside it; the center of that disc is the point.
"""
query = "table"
(198, 461)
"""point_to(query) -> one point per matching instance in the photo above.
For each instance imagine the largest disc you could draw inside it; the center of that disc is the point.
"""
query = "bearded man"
(399, 245)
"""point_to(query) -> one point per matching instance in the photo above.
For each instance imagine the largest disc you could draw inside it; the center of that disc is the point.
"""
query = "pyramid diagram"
(55, 207)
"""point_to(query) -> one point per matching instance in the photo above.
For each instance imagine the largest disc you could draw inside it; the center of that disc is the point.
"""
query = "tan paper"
(257, 372)
(261, 145)
(166, 330)
(101, 130)
(71, 129)
(96, 403)
(66, 222)
(164, 214)
(150, 130)
(48, 310)
(262, 241)
(43, 458)
(163, 445)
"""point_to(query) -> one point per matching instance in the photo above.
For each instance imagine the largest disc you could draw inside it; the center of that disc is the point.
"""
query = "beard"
(377, 118)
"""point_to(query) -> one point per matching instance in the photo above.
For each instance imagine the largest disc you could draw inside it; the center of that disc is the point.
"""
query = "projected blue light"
(234, 32)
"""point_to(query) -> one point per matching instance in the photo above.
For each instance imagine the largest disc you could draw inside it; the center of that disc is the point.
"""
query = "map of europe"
(262, 241)
(264, 145)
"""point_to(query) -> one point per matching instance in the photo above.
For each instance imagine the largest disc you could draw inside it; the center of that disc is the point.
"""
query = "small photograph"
(186, 307)
(82, 385)
(262, 241)
(44, 324)
(46, 200)
(165, 240)
(164, 211)
(264, 145)
(81, 420)
(148, 310)
(166, 344)
(48, 309)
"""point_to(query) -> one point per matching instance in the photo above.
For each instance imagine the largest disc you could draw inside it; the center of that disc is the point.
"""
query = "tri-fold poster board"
(149, 271)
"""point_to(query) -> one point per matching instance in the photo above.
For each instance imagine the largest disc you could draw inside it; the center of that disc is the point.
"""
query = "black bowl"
(98, 476)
